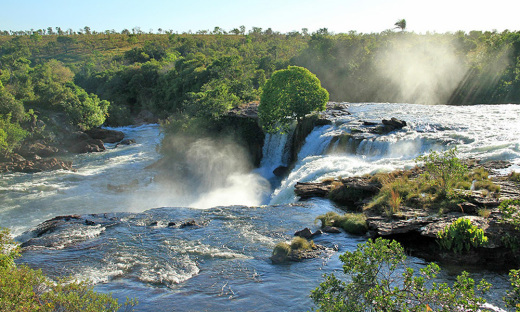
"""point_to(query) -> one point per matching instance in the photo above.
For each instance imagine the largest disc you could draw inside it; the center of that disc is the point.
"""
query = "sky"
(364, 16)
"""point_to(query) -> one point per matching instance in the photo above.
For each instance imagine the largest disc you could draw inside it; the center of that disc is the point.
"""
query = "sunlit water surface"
(223, 263)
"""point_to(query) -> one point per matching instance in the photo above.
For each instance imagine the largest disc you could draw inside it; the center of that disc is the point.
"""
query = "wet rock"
(87, 146)
(395, 123)
(37, 165)
(331, 229)
(51, 225)
(123, 187)
(154, 223)
(126, 142)
(90, 222)
(33, 150)
(171, 224)
(307, 233)
(105, 135)
(300, 255)
(189, 224)
(307, 190)
(281, 171)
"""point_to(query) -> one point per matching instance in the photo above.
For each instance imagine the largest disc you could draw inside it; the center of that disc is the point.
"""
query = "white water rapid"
(487, 132)
(131, 237)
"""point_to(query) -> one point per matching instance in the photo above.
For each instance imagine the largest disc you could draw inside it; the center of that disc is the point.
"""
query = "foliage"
(460, 236)
(11, 134)
(290, 94)
(353, 223)
(443, 170)
(25, 289)
(510, 212)
(282, 250)
(514, 176)
(381, 281)
(300, 243)
(512, 298)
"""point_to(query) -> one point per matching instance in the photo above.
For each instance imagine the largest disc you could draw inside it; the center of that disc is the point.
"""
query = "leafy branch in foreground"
(25, 289)
(381, 281)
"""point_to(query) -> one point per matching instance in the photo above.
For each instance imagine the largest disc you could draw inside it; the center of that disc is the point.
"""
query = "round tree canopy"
(290, 94)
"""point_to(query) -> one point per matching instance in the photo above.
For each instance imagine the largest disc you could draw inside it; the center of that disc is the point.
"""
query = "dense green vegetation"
(461, 235)
(290, 94)
(84, 79)
(25, 289)
(380, 280)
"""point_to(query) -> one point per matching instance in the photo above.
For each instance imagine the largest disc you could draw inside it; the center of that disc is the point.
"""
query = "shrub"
(512, 298)
(509, 209)
(443, 170)
(514, 176)
(300, 243)
(353, 223)
(377, 283)
(461, 235)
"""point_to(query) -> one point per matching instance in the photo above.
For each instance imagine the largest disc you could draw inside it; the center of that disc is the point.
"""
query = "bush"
(353, 223)
(443, 171)
(300, 243)
(514, 176)
(461, 235)
(25, 289)
(377, 283)
(11, 134)
(509, 209)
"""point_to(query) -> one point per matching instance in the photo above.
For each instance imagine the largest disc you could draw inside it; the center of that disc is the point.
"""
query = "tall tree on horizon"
(401, 24)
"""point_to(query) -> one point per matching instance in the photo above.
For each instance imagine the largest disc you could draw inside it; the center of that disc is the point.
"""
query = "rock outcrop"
(105, 135)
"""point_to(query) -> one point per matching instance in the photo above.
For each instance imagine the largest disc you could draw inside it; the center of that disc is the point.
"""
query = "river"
(133, 249)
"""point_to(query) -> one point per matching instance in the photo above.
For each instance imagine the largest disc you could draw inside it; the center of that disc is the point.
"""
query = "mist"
(205, 173)
(419, 70)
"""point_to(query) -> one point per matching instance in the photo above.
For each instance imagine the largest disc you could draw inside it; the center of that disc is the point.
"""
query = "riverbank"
(417, 223)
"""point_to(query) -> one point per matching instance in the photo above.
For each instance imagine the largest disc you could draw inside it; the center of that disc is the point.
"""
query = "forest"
(79, 80)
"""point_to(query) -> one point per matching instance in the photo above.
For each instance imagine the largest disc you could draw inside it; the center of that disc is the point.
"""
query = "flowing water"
(130, 240)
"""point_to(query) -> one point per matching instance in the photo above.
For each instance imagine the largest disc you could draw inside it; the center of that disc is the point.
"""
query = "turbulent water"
(222, 263)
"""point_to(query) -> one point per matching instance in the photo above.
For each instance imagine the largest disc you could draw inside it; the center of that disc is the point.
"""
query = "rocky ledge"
(417, 228)
(39, 156)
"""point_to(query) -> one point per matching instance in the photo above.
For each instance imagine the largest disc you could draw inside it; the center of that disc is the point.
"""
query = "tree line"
(93, 78)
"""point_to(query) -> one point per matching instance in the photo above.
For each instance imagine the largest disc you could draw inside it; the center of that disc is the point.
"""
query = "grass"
(402, 189)
(353, 223)
(282, 250)
(514, 176)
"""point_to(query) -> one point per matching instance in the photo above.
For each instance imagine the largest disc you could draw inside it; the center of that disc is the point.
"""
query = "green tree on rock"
(289, 95)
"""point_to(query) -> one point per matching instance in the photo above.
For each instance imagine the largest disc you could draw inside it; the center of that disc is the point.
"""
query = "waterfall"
(275, 153)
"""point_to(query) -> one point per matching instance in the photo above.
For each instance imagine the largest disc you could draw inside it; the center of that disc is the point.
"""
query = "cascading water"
(221, 261)
(484, 132)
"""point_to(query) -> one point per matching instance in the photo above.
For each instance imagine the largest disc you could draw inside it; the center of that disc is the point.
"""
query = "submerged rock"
(105, 135)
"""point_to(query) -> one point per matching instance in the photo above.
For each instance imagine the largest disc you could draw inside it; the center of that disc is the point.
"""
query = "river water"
(133, 244)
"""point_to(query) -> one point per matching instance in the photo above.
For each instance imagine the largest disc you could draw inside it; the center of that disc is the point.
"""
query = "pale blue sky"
(282, 15)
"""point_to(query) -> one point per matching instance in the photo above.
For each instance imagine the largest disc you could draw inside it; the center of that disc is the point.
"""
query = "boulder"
(126, 142)
(281, 171)
(307, 233)
(307, 190)
(105, 135)
(87, 146)
(395, 123)
(33, 150)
